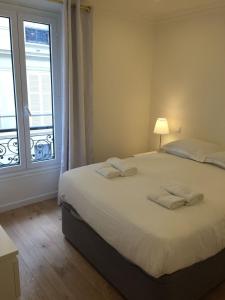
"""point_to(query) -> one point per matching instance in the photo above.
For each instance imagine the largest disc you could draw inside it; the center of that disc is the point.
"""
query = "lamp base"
(160, 142)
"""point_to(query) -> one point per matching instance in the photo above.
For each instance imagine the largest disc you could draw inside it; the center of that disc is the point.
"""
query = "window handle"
(27, 111)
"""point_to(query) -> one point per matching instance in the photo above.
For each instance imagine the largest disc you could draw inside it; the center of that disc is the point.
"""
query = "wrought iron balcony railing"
(41, 145)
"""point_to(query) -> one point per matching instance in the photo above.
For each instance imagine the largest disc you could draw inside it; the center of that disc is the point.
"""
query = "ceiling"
(149, 9)
(154, 9)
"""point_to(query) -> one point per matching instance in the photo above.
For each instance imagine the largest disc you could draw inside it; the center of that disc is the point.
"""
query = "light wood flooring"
(50, 268)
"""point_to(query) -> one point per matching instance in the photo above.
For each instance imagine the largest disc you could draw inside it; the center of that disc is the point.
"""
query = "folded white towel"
(108, 171)
(191, 197)
(165, 199)
(125, 168)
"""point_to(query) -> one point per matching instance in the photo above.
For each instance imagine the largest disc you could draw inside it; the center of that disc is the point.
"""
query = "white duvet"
(158, 240)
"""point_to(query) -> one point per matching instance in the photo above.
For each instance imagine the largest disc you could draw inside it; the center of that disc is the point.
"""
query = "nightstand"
(9, 268)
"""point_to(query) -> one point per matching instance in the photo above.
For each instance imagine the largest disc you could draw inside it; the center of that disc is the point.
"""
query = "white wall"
(122, 75)
(188, 83)
(28, 187)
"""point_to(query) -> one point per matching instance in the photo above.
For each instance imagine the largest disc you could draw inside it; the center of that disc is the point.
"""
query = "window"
(39, 90)
(27, 94)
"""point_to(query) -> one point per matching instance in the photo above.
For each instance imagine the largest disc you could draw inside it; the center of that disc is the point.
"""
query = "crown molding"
(135, 17)
(187, 13)
(164, 18)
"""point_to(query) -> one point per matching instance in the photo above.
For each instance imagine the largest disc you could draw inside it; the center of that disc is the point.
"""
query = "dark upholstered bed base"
(134, 284)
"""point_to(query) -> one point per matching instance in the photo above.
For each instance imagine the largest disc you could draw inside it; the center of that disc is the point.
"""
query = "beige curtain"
(77, 110)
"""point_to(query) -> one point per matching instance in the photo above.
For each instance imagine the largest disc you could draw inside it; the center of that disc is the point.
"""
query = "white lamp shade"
(161, 126)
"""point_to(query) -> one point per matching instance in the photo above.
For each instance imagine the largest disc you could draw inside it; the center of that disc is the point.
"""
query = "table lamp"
(161, 128)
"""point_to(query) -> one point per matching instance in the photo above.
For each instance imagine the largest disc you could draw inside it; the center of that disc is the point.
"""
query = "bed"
(143, 249)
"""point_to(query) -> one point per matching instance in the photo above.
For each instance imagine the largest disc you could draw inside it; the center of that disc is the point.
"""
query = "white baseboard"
(27, 201)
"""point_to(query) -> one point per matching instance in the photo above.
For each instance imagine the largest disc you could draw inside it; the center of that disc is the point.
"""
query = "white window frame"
(17, 15)
(55, 84)
(18, 95)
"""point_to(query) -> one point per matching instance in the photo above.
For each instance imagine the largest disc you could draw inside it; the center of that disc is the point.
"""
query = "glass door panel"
(37, 40)
(9, 146)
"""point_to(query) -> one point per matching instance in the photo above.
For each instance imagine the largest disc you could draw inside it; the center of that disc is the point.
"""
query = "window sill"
(29, 172)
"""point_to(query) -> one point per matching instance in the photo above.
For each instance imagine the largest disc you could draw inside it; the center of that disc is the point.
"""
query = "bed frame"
(134, 284)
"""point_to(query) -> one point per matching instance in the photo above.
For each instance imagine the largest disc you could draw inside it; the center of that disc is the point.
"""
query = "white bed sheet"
(158, 240)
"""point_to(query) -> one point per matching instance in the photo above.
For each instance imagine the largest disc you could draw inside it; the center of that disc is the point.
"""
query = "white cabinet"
(9, 268)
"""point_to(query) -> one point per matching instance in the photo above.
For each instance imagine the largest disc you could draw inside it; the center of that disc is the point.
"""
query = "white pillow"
(217, 159)
(192, 149)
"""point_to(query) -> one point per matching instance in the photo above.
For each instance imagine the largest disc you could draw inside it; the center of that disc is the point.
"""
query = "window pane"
(9, 147)
(39, 89)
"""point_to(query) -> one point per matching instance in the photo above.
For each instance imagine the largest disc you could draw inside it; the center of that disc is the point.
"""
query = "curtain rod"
(87, 8)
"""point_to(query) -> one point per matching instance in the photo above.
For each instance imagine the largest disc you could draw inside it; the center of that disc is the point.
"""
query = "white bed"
(158, 240)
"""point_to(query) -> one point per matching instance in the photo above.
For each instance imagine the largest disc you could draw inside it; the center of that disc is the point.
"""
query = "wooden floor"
(50, 268)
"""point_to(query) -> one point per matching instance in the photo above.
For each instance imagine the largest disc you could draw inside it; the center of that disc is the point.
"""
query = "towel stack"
(175, 195)
(177, 189)
(108, 171)
(115, 167)
(166, 199)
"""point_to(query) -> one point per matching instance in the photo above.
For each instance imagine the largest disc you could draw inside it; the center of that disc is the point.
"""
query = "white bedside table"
(9, 268)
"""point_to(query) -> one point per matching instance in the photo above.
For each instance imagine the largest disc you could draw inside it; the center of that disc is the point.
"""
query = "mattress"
(158, 240)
